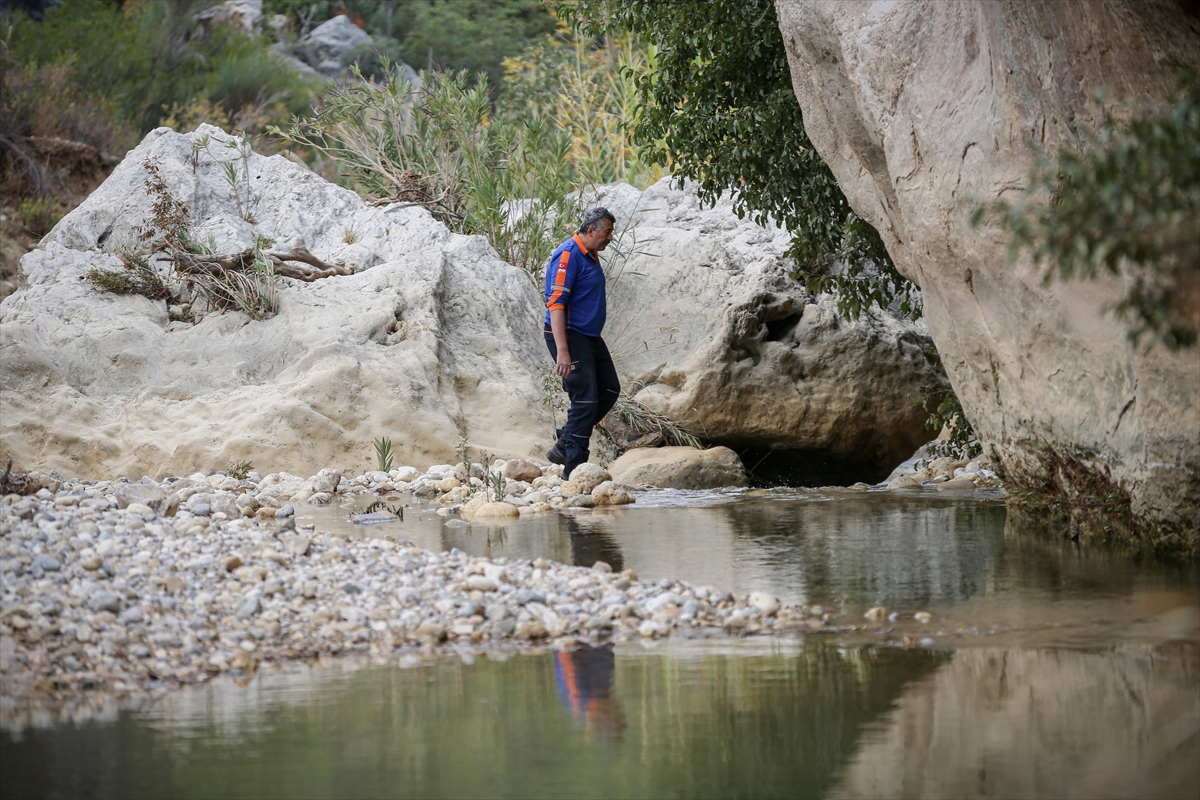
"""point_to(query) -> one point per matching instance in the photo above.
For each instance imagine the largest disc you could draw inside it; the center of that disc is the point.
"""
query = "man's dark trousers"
(593, 389)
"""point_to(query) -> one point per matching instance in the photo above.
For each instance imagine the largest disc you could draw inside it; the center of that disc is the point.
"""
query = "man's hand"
(558, 325)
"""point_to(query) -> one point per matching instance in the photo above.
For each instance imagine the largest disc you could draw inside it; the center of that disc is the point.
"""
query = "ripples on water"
(1058, 672)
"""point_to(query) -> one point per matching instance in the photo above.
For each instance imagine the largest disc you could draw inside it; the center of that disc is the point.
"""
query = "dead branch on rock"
(214, 265)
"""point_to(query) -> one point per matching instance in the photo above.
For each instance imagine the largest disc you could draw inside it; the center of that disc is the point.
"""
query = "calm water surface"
(1054, 672)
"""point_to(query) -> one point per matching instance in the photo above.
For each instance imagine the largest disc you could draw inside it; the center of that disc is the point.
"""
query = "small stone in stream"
(923, 617)
(284, 511)
(144, 494)
(297, 545)
(926, 642)
(957, 485)
(892, 617)
(232, 563)
(47, 563)
(519, 469)
(432, 630)
(174, 584)
(131, 616)
(250, 606)
(580, 501)
(350, 588)
(876, 614)
(481, 583)
(202, 509)
(568, 489)
(588, 476)
(611, 494)
(18, 622)
(497, 511)
(651, 629)
(765, 603)
(602, 567)
(326, 481)
(140, 509)
(92, 563)
(105, 601)
(532, 630)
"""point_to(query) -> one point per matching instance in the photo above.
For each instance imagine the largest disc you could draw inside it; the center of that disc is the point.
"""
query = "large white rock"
(706, 324)
(432, 340)
(922, 109)
(325, 45)
(680, 468)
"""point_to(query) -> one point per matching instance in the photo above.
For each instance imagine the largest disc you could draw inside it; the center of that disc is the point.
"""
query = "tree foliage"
(589, 90)
(1124, 200)
(719, 108)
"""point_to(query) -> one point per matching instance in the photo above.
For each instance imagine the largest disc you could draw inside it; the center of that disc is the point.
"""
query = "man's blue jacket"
(575, 283)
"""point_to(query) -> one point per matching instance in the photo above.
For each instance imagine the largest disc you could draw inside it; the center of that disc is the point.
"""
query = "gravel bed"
(125, 586)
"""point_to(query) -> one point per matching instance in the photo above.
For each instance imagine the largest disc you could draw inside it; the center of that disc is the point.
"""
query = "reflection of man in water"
(590, 543)
(584, 686)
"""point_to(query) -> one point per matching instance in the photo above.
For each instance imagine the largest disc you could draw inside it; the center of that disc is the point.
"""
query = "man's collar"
(583, 247)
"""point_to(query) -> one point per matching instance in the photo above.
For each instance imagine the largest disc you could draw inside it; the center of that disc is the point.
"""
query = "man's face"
(597, 239)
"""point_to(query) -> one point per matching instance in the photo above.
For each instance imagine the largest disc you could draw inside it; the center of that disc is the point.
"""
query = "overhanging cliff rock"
(707, 325)
(922, 109)
(432, 338)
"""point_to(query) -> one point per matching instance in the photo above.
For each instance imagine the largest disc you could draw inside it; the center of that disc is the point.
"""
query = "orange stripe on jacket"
(560, 282)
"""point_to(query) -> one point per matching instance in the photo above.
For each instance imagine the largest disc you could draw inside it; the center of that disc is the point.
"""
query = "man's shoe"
(556, 455)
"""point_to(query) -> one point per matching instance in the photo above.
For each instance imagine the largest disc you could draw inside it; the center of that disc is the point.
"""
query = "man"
(575, 313)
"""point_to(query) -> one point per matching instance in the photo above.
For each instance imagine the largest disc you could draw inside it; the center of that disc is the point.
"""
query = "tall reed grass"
(514, 171)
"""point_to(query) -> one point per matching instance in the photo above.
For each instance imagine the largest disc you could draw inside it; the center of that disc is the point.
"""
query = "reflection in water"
(1040, 723)
(585, 678)
(591, 542)
(746, 719)
(750, 721)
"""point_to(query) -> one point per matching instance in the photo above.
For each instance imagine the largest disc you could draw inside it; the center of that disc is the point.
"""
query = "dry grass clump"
(646, 420)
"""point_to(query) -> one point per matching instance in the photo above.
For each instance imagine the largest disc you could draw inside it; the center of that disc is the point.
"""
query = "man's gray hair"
(595, 217)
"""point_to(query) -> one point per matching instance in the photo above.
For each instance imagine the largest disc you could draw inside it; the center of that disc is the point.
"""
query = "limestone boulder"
(245, 16)
(923, 110)
(609, 493)
(707, 325)
(323, 47)
(680, 468)
(588, 476)
(433, 338)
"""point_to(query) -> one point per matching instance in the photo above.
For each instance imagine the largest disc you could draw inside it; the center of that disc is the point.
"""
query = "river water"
(1048, 670)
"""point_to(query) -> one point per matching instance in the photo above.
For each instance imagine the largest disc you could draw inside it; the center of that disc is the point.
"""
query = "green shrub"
(444, 149)
(40, 214)
(589, 91)
(137, 59)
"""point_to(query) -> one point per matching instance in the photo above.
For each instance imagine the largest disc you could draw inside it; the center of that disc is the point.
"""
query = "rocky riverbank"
(122, 586)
